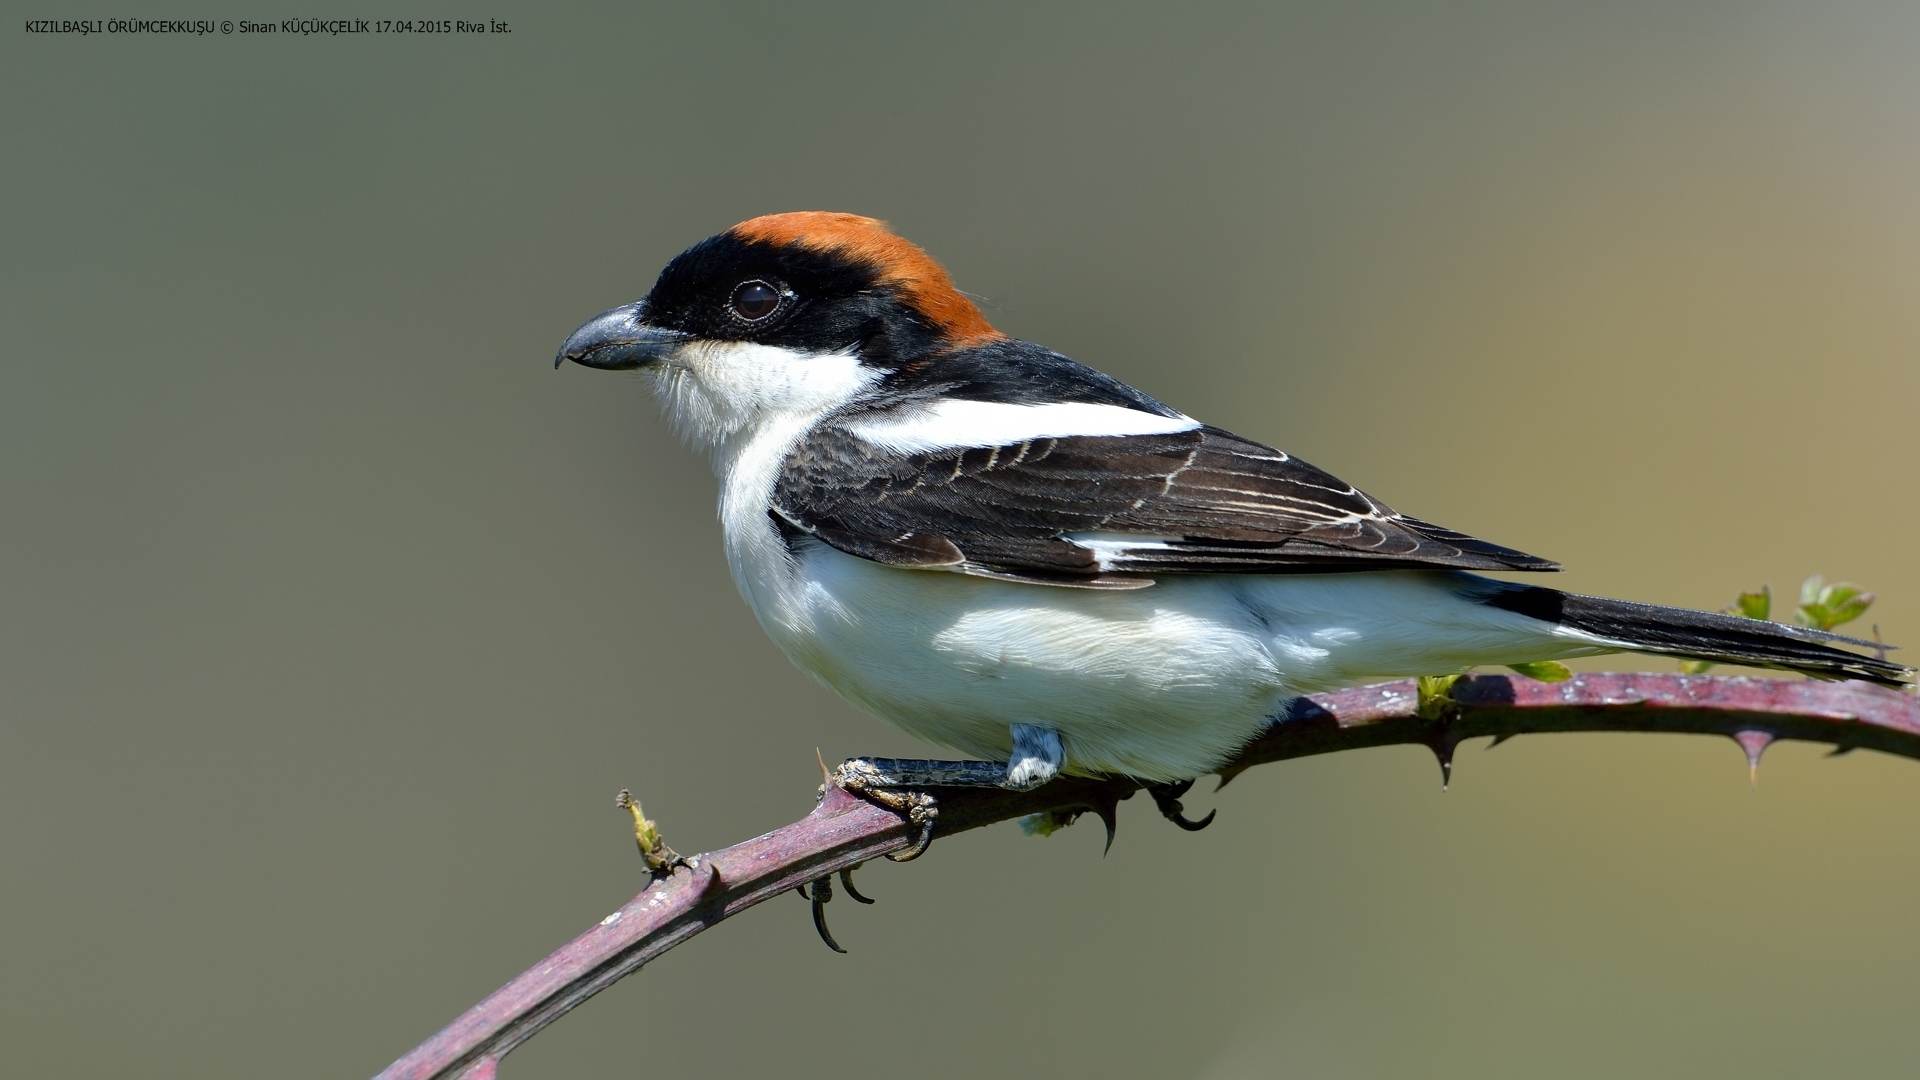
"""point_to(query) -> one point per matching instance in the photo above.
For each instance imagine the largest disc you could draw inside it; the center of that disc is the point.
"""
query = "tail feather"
(1702, 635)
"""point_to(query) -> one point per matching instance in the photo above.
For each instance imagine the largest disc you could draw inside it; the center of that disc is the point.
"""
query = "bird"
(1008, 553)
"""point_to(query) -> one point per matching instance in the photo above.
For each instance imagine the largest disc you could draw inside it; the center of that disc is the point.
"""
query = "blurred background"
(334, 617)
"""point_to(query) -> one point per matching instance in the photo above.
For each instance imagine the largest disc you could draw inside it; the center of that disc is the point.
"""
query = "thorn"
(1754, 743)
(802, 890)
(1443, 745)
(1502, 737)
(823, 892)
(826, 777)
(846, 882)
(1108, 807)
(1841, 751)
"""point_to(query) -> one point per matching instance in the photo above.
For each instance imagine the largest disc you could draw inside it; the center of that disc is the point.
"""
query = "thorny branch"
(690, 895)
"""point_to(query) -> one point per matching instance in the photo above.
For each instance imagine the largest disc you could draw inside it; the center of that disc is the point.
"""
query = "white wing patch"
(1113, 550)
(946, 425)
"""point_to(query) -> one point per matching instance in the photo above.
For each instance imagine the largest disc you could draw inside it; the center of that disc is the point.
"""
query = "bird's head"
(782, 314)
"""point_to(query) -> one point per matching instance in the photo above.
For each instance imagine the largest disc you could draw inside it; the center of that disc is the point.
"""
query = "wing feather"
(1104, 511)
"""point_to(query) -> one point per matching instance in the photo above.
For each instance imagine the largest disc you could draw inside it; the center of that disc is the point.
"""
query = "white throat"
(747, 404)
(717, 392)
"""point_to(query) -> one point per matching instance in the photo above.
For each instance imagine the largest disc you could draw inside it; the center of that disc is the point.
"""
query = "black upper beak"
(618, 340)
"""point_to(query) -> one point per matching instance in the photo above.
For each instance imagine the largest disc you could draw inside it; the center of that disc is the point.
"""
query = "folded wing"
(1106, 511)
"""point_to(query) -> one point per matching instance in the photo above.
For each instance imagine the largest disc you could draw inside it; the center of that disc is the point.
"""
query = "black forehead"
(709, 271)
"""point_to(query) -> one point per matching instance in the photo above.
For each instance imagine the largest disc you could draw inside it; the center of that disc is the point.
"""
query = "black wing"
(1103, 510)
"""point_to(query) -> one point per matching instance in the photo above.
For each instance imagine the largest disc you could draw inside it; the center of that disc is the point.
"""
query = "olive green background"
(333, 617)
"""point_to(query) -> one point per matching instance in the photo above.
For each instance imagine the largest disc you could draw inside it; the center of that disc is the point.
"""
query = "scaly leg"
(894, 782)
(1036, 759)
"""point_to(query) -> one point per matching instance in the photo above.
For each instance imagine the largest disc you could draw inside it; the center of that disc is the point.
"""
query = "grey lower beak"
(618, 340)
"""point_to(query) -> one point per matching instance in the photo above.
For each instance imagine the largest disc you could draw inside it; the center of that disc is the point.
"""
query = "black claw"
(920, 842)
(846, 882)
(1193, 826)
(1167, 798)
(823, 892)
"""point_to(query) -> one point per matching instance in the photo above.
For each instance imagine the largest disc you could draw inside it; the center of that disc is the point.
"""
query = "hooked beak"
(618, 340)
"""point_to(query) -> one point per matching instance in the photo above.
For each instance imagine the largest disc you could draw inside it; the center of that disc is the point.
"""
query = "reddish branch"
(845, 831)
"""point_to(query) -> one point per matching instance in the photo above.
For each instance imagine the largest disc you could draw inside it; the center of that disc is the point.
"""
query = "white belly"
(1160, 683)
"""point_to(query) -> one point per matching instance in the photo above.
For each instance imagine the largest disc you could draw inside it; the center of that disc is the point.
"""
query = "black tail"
(1701, 635)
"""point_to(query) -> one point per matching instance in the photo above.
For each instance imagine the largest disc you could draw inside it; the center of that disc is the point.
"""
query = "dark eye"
(755, 300)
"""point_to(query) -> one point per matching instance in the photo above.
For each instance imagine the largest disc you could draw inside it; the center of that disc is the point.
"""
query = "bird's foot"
(897, 783)
(1167, 798)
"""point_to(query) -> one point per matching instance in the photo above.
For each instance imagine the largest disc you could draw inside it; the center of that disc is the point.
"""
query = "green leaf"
(1753, 605)
(1046, 823)
(1544, 670)
(1810, 590)
(1844, 602)
(1839, 593)
(1850, 609)
(1824, 606)
(1435, 695)
(1695, 667)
